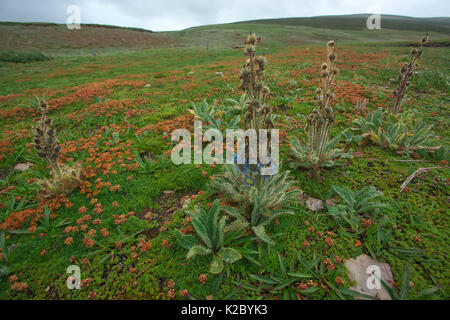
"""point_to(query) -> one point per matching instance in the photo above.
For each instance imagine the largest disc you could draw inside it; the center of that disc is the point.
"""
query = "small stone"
(314, 204)
(186, 203)
(359, 272)
(219, 74)
(168, 192)
(148, 85)
(22, 166)
(311, 203)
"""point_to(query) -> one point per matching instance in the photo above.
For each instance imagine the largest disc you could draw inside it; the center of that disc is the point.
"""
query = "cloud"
(179, 14)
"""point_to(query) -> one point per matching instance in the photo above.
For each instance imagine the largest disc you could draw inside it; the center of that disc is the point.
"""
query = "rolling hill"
(49, 37)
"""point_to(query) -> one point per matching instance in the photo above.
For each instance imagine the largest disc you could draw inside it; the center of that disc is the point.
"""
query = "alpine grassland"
(86, 177)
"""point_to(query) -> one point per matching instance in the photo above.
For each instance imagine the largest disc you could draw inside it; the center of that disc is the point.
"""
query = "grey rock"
(314, 204)
(22, 166)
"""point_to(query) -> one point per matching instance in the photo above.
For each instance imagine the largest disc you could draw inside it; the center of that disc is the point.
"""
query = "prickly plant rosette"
(62, 183)
(64, 179)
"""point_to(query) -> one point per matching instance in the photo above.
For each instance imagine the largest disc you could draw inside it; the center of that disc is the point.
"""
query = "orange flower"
(202, 278)
(83, 209)
(68, 241)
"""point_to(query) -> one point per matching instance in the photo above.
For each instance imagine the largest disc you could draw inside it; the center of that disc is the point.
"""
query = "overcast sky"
(164, 15)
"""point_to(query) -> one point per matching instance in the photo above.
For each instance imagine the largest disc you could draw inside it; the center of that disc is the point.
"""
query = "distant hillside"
(358, 22)
(48, 36)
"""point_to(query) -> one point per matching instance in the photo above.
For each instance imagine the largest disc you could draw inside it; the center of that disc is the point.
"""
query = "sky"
(166, 15)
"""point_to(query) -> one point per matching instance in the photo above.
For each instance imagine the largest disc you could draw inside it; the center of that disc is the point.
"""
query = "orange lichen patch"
(8, 97)
(87, 92)
(110, 108)
(186, 122)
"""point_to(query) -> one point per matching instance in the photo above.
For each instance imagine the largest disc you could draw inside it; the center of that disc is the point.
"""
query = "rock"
(219, 74)
(148, 85)
(186, 203)
(22, 166)
(191, 72)
(168, 192)
(359, 272)
(314, 204)
(311, 203)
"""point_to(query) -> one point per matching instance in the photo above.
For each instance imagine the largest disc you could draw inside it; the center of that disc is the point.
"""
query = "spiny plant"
(212, 118)
(210, 231)
(257, 114)
(399, 133)
(283, 280)
(406, 72)
(319, 151)
(64, 178)
(361, 201)
(361, 104)
(45, 140)
(321, 119)
(258, 202)
(355, 205)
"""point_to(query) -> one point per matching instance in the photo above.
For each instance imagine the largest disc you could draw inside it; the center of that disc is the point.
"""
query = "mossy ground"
(109, 108)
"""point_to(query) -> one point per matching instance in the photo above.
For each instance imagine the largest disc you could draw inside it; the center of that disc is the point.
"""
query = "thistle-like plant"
(361, 201)
(282, 280)
(306, 158)
(403, 132)
(210, 238)
(361, 104)
(319, 151)
(258, 115)
(406, 72)
(64, 178)
(257, 202)
(45, 141)
(213, 118)
(355, 204)
(320, 120)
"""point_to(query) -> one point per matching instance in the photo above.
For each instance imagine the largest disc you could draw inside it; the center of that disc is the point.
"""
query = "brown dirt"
(168, 203)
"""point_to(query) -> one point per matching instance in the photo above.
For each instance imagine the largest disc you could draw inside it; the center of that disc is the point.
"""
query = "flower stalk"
(322, 118)
(406, 73)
